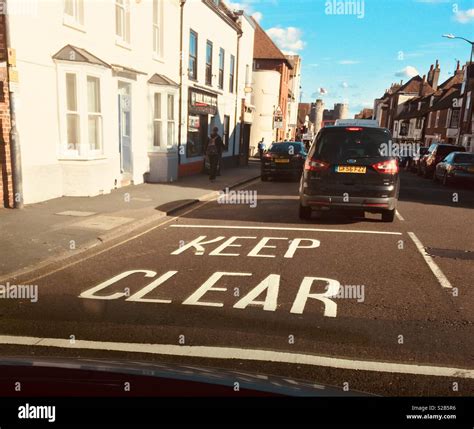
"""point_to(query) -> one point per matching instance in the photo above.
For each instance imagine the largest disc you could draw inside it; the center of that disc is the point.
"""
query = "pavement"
(383, 308)
(63, 227)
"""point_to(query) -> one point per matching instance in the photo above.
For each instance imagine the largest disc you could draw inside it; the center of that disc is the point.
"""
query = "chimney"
(433, 76)
(458, 68)
(401, 82)
(422, 85)
(436, 73)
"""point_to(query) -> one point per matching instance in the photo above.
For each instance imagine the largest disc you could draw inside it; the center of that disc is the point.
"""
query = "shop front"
(202, 107)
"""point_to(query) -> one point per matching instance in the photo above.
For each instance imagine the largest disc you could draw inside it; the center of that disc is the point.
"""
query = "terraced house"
(103, 98)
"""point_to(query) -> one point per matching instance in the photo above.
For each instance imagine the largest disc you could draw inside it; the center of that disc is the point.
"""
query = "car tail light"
(315, 165)
(387, 167)
(267, 155)
(353, 129)
(458, 167)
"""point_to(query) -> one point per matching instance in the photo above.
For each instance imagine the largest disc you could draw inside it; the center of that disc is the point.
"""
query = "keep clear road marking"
(277, 228)
(442, 279)
(244, 354)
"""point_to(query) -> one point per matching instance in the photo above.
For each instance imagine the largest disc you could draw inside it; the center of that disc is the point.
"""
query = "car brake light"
(458, 167)
(387, 167)
(353, 129)
(315, 165)
(267, 155)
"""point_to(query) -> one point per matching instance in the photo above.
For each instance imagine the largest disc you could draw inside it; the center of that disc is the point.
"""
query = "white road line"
(442, 279)
(276, 228)
(244, 354)
(399, 216)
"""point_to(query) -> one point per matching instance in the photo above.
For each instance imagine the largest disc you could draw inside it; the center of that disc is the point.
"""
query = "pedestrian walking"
(261, 148)
(213, 151)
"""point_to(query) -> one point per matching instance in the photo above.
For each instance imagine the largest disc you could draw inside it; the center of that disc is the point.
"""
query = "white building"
(97, 94)
(293, 96)
(266, 95)
(217, 52)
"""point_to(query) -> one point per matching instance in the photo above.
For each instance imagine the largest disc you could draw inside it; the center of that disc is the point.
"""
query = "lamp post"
(452, 36)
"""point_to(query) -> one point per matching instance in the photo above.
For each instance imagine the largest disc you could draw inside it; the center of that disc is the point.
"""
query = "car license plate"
(351, 169)
(282, 161)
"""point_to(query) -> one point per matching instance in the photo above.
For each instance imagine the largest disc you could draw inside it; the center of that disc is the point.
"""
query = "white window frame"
(76, 20)
(164, 92)
(429, 119)
(124, 38)
(436, 125)
(84, 151)
(157, 29)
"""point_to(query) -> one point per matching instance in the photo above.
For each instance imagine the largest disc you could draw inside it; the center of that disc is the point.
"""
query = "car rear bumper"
(461, 176)
(275, 171)
(324, 202)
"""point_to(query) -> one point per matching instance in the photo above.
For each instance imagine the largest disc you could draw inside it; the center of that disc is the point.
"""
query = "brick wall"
(6, 185)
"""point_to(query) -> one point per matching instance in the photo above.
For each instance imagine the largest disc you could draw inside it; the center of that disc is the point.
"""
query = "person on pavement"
(213, 151)
(261, 148)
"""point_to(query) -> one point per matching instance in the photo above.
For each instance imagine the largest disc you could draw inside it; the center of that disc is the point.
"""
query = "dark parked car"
(347, 168)
(283, 159)
(414, 163)
(456, 167)
(436, 153)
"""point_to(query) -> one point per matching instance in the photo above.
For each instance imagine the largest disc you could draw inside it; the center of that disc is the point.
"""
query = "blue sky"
(356, 59)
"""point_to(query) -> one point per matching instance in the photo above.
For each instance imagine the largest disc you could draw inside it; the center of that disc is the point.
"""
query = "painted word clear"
(263, 295)
(238, 197)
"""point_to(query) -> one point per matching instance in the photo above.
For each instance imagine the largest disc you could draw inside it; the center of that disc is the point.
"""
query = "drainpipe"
(236, 90)
(17, 176)
(180, 113)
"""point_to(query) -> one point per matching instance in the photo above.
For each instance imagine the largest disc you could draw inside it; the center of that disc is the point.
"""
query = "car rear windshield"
(464, 158)
(445, 150)
(286, 148)
(340, 144)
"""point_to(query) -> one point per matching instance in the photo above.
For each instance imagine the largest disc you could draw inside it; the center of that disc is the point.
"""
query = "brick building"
(268, 57)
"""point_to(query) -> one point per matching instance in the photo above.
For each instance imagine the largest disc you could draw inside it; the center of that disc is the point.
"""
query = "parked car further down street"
(456, 167)
(345, 169)
(414, 162)
(436, 153)
(283, 159)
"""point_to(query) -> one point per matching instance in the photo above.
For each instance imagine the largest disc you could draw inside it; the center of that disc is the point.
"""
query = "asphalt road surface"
(385, 308)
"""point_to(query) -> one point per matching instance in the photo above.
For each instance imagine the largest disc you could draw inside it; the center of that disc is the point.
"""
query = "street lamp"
(452, 36)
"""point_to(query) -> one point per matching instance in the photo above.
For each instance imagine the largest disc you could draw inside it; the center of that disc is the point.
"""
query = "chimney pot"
(431, 68)
(437, 64)
(457, 65)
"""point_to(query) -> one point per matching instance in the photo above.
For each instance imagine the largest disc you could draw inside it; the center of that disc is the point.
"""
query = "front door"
(125, 139)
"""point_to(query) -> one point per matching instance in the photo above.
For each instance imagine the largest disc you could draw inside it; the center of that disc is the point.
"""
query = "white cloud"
(245, 5)
(287, 39)
(344, 85)
(257, 16)
(348, 62)
(408, 71)
(433, 1)
(464, 16)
